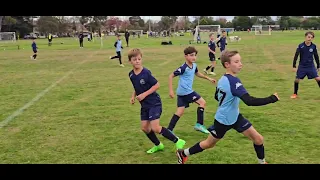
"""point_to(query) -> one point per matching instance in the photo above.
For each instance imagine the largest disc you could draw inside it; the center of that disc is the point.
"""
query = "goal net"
(205, 30)
(262, 30)
(230, 30)
(6, 37)
(136, 32)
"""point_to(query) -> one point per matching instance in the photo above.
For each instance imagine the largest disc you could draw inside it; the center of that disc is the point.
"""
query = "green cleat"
(201, 128)
(180, 144)
(154, 149)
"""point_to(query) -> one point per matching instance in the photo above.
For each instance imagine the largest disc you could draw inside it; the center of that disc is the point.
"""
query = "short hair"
(133, 53)
(211, 34)
(226, 55)
(190, 50)
(309, 32)
(223, 31)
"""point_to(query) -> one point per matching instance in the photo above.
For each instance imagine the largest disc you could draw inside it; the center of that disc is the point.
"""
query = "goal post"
(7, 37)
(262, 29)
(205, 30)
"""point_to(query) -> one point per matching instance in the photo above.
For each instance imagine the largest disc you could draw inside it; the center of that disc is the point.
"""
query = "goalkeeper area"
(205, 30)
(262, 29)
(7, 40)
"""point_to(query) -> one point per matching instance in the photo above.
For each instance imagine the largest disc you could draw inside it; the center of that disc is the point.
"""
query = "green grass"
(87, 117)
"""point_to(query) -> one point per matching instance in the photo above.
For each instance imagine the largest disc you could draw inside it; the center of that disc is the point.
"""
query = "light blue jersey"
(228, 93)
(118, 46)
(186, 74)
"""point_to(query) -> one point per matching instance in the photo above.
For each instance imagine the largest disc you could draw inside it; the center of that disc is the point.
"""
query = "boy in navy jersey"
(212, 57)
(145, 86)
(222, 42)
(34, 49)
(307, 50)
(185, 93)
(228, 93)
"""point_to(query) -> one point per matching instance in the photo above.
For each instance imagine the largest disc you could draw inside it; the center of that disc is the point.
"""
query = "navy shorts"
(35, 51)
(311, 73)
(222, 49)
(184, 101)
(212, 57)
(151, 113)
(218, 130)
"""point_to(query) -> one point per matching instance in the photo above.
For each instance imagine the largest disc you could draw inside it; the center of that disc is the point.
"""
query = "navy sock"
(296, 87)
(153, 138)
(212, 69)
(208, 67)
(168, 134)
(200, 112)
(193, 150)
(173, 122)
(259, 150)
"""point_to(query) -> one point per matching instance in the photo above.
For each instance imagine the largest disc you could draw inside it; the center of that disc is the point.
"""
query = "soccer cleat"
(121, 65)
(180, 144)
(212, 73)
(294, 96)
(181, 158)
(205, 71)
(110, 57)
(201, 128)
(154, 149)
(262, 161)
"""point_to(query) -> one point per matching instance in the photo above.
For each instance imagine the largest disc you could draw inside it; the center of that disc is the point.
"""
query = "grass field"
(79, 110)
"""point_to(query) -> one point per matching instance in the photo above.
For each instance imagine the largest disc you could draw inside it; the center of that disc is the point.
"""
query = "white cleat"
(212, 73)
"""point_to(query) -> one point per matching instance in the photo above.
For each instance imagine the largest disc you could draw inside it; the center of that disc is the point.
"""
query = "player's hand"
(276, 94)
(141, 97)
(212, 80)
(132, 100)
(171, 94)
(318, 69)
(294, 70)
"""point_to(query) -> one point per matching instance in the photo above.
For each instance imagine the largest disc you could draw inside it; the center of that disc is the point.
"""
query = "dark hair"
(226, 55)
(133, 53)
(223, 31)
(190, 50)
(309, 32)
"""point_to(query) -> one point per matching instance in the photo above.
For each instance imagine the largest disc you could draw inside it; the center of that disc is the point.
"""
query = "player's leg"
(181, 105)
(200, 112)
(154, 118)
(119, 56)
(245, 127)
(34, 55)
(301, 73)
(318, 80)
(127, 41)
(217, 131)
(213, 65)
(146, 128)
(313, 74)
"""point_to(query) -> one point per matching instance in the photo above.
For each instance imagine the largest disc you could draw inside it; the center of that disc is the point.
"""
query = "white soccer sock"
(186, 152)
(261, 161)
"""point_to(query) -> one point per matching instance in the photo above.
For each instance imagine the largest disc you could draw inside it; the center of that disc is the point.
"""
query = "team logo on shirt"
(238, 84)
(142, 81)
(311, 50)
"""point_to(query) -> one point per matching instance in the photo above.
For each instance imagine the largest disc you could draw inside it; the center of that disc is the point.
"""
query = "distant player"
(307, 50)
(34, 49)
(145, 87)
(50, 39)
(185, 93)
(222, 42)
(81, 36)
(228, 93)
(212, 57)
(127, 35)
(118, 46)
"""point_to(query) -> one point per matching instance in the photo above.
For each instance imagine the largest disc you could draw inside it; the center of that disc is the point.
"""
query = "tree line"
(67, 24)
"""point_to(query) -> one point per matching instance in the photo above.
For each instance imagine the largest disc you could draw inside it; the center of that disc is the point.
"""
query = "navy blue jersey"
(34, 46)
(142, 82)
(222, 41)
(212, 46)
(306, 55)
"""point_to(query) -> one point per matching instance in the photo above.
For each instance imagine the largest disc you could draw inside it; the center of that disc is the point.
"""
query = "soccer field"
(72, 105)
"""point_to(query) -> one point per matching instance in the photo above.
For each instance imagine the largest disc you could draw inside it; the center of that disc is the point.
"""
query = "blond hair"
(133, 53)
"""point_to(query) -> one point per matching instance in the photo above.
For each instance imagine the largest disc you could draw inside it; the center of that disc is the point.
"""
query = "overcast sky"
(229, 18)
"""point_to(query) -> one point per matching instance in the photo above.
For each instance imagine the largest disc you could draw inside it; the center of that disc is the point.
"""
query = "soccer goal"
(262, 30)
(136, 33)
(7, 37)
(205, 30)
(230, 30)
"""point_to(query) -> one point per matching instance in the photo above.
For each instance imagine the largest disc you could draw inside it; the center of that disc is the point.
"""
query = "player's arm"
(295, 58)
(115, 44)
(213, 52)
(177, 72)
(200, 75)
(238, 90)
(316, 57)
(218, 42)
(216, 94)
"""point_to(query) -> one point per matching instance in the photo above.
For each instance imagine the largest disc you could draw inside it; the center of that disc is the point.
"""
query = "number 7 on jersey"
(222, 95)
